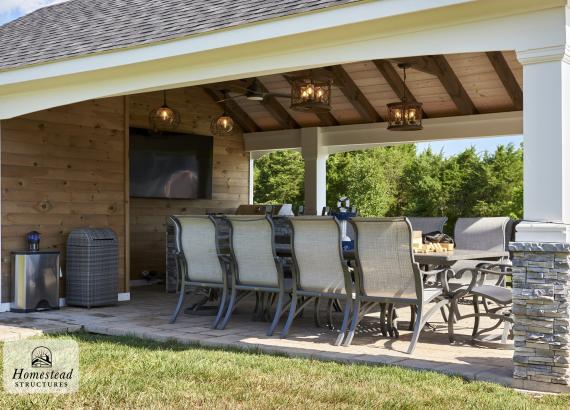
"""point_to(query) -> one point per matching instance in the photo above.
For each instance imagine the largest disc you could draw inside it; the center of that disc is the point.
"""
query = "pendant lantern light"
(163, 118)
(223, 125)
(405, 115)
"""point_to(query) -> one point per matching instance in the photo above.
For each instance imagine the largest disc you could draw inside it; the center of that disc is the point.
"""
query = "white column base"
(4, 307)
(542, 232)
(124, 297)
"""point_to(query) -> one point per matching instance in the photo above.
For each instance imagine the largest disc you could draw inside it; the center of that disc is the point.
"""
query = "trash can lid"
(92, 237)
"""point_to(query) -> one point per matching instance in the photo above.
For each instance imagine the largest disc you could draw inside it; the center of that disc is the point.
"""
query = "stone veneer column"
(540, 305)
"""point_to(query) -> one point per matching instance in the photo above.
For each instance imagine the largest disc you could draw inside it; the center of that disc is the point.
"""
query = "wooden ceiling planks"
(456, 84)
(352, 93)
(507, 78)
(481, 82)
(395, 81)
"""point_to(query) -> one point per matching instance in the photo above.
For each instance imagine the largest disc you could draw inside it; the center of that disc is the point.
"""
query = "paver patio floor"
(147, 316)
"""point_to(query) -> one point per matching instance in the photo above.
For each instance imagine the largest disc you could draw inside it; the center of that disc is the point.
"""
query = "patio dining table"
(431, 258)
(451, 257)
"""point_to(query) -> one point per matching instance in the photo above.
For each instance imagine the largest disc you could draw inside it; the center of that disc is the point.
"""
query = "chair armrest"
(474, 275)
(441, 276)
(494, 272)
(478, 275)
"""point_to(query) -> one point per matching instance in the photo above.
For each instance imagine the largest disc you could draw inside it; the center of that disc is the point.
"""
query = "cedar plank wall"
(63, 168)
(230, 176)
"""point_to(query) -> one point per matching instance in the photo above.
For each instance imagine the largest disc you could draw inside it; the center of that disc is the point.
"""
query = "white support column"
(250, 182)
(315, 156)
(546, 125)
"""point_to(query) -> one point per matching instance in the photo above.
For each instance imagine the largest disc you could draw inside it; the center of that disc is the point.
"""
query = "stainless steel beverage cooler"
(35, 281)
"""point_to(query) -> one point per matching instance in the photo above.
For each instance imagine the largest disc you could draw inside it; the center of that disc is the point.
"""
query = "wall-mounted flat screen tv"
(170, 165)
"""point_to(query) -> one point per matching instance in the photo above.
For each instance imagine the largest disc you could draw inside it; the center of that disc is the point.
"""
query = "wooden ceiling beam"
(326, 118)
(242, 119)
(438, 66)
(395, 81)
(279, 113)
(343, 81)
(507, 77)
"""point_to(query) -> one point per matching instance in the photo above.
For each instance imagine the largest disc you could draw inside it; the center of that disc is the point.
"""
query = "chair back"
(253, 251)
(317, 254)
(428, 224)
(386, 266)
(484, 234)
(197, 242)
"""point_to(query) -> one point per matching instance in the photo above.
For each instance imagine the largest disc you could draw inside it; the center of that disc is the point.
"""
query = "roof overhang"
(354, 32)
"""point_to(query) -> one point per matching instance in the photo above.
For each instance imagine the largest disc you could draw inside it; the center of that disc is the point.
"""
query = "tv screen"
(170, 165)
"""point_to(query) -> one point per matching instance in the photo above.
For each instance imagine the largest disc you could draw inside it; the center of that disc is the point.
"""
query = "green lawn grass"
(124, 372)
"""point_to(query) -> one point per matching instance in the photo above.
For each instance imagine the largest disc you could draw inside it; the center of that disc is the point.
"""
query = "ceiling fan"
(255, 92)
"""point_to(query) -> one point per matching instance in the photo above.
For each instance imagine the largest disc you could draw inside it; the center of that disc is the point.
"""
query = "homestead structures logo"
(46, 366)
(41, 357)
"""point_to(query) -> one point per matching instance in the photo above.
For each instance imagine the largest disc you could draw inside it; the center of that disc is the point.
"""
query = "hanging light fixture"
(223, 125)
(163, 118)
(311, 94)
(405, 115)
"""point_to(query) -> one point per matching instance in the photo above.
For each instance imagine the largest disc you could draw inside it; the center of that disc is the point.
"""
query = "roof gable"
(80, 27)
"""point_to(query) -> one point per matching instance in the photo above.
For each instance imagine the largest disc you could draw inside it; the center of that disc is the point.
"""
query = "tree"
(501, 193)
(370, 178)
(391, 181)
(278, 178)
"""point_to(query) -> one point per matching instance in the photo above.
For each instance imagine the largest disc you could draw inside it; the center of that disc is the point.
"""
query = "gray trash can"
(92, 267)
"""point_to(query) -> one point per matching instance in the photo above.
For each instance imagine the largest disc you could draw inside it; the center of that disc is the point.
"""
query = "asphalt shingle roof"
(80, 27)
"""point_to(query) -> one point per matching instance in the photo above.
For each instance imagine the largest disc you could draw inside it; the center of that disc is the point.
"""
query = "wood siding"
(230, 181)
(63, 168)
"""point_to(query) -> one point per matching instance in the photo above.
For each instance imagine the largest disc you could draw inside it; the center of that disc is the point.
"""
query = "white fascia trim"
(124, 297)
(4, 307)
(255, 32)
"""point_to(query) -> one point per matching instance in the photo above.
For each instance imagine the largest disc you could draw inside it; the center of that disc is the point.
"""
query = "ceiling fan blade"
(279, 95)
(229, 98)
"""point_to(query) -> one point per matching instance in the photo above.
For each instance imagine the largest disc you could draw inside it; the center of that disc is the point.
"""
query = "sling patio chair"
(199, 260)
(482, 281)
(485, 234)
(386, 273)
(255, 267)
(486, 288)
(428, 224)
(319, 270)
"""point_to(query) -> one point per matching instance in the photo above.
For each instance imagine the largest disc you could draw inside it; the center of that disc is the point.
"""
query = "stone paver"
(148, 313)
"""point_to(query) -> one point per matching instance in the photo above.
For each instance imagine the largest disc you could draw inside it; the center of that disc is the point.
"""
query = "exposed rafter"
(395, 81)
(278, 112)
(242, 119)
(326, 118)
(437, 65)
(348, 87)
(507, 78)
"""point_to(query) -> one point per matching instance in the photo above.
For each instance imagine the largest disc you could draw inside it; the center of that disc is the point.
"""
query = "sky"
(12, 9)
